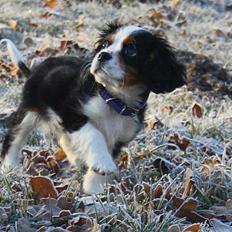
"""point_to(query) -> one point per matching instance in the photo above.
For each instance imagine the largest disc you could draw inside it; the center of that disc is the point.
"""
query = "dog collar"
(120, 107)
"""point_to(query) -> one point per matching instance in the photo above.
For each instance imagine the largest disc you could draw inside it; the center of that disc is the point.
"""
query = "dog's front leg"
(89, 145)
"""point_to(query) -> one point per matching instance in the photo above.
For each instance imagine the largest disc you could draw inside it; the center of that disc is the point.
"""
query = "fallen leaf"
(175, 3)
(218, 32)
(61, 188)
(188, 182)
(42, 229)
(14, 71)
(65, 43)
(193, 228)
(158, 191)
(165, 166)
(212, 161)
(43, 187)
(186, 208)
(123, 160)
(52, 163)
(60, 155)
(64, 203)
(155, 123)
(182, 143)
(38, 159)
(155, 15)
(44, 153)
(197, 110)
(80, 21)
(12, 23)
(51, 3)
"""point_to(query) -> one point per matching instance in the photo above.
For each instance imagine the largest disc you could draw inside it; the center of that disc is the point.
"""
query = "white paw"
(93, 182)
(102, 164)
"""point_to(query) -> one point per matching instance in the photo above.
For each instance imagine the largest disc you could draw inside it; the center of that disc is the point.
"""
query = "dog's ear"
(161, 70)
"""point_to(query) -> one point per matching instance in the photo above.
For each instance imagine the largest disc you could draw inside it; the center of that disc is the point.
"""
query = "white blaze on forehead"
(120, 36)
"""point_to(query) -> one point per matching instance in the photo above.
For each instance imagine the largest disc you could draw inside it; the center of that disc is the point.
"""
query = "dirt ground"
(177, 174)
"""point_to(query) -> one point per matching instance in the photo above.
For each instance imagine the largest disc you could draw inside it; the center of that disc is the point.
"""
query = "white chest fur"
(115, 128)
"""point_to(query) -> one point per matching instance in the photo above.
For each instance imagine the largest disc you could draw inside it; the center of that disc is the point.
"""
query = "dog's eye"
(130, 50)
(102, 44)
(105, 44)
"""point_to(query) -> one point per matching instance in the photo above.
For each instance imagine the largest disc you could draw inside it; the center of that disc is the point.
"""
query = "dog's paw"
(93, 182)
(104, 165)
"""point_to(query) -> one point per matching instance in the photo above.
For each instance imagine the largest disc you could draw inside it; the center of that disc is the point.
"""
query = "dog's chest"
(116, 128)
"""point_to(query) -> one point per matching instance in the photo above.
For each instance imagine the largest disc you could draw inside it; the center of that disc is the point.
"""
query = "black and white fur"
(62, 94)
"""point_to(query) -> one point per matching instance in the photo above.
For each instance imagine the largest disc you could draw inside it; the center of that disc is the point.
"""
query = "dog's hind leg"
(23, 123)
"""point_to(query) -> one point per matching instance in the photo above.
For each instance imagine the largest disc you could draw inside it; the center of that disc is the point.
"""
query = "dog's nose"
(104, 56)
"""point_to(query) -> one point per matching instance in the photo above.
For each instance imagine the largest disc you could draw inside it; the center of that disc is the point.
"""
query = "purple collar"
(120, 107)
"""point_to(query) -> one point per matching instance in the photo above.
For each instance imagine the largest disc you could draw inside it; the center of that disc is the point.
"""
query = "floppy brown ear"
(162, 72)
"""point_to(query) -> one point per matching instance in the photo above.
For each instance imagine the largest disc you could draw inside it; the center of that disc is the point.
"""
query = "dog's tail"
(16, 57)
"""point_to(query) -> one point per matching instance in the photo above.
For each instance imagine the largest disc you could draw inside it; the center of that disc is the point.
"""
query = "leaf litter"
(176, 174)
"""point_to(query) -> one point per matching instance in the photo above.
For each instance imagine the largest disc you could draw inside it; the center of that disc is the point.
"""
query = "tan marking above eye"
(110, 38)
(129, 40)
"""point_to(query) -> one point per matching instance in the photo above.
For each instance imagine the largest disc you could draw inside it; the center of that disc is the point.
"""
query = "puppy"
(93, 107)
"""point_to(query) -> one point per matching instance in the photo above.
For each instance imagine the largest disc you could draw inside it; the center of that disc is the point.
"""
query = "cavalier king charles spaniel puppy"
(93, 106)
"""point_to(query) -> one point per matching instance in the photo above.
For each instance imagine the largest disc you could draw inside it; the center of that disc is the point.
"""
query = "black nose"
(104, 56)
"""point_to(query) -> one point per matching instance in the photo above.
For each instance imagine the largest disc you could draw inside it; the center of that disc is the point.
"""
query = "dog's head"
(130, 55)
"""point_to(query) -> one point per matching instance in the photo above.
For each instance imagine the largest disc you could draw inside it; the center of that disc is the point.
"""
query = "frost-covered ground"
(177, 172)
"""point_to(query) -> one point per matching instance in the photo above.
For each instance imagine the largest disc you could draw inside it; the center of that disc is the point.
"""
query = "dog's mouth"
(104, 77)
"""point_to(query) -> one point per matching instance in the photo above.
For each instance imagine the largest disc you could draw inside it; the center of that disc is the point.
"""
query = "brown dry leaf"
(218, 32)
(16, 187)
(158, 191)
(123, 160)
(38, 159)
(44, 153)
(52, 163)
(80, 21)
(181, 143)
(51, 3)
(186, 209)
(43, 187)
(163, 165)
(147, 188)
(64, 203)
(65, 43)
(61, 188)
(212, 162)
(204, 170)
(155, 16)
(154, 123)
(175, 3)
(182, 32)
(188, 182)
(197, 110)
(12, 23)
(42, 229)
(193, 228)
(31, 170)
(60, 155)
(14, 71)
